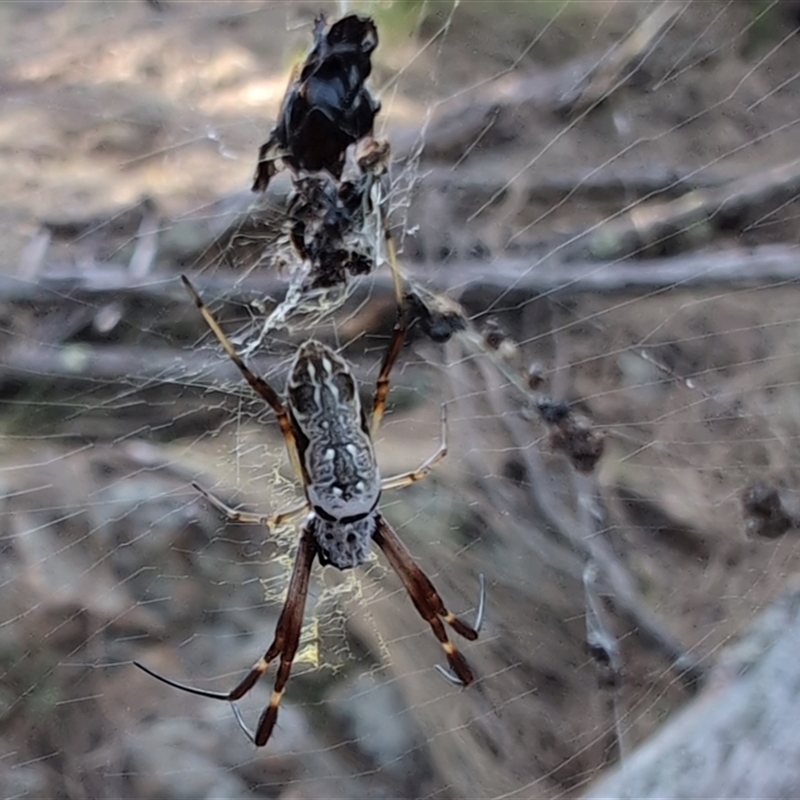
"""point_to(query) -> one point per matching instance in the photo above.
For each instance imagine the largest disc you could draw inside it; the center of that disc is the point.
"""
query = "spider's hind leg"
(285, 644)
(428, 602)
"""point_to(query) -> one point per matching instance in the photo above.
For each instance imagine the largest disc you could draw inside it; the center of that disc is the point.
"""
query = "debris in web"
(437, 316)
(335, 230)
(336, 218)
(333, 224)
(767, 511)
(573, 434)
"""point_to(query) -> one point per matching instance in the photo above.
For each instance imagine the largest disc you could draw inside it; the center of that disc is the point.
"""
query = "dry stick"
(626, 56)
(186, 238)
(600, 637)
(146, 249)
(572, 87)
(103, 283)
(137, 366)
(739, 737)
(33, 255)
(610, 182)
(558, 554)
(592, 547)
(232, 214)
(650, 223)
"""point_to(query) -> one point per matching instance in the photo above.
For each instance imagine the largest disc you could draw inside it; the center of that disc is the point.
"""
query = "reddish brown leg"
(391, 252)
(259, 385)
(287, 639)
(382, 384)
(398, 334)
(287, 635)
(425, 598)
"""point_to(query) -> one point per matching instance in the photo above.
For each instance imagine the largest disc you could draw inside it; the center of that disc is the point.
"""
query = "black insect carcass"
(327, 107)
(336, 226)
(327, 222)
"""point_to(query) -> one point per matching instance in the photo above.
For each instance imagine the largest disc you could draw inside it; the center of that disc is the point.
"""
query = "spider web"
(608, 192)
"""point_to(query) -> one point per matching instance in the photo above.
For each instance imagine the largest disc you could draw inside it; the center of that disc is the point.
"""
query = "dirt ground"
(113, 115)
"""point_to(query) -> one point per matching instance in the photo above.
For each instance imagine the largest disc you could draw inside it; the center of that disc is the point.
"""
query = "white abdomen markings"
(342, 476)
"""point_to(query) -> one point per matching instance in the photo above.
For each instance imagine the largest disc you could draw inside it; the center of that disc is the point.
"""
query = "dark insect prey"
(332, 226)
(327, 107)
(438, 316)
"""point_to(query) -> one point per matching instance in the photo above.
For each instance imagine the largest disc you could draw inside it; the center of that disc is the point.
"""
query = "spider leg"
(287, 638)
(251, 518)
(285, 644)
(407, 478)
(259, 385)
(426, 599)
(382, 384)
(394, 264)
(398, 334)
(448, 674)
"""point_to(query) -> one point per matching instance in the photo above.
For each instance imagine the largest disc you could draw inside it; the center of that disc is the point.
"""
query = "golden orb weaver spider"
(329, 442)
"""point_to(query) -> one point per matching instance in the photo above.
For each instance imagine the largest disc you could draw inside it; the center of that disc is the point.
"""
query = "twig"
(605, 184)
(103, 282)
(135, 365)
(739, 737)
(663, 224)
(624, 59)
(592, 547)
(573, 86)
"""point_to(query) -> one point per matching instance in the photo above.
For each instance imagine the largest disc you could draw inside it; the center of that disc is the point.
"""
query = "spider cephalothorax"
(344, 544)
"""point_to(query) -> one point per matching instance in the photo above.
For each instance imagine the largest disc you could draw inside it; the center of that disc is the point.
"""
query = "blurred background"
(609, 191)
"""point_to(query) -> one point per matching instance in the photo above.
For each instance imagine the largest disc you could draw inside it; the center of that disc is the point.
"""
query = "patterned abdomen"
(342, 477)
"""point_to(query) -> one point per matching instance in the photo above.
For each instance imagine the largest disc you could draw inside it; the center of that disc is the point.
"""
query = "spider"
(330, 446)
(327, 107)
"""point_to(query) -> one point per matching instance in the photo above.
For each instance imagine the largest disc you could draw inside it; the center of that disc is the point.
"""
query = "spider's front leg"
(395, 343)
(389, 359)
(258, 384)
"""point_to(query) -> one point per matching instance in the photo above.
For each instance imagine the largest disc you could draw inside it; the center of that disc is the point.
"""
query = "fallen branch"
(740, 737)
(623, 60)
(587, 540)
(490, 112)
(689, 221)
(605, 184)
(205, 369)
(105, 283)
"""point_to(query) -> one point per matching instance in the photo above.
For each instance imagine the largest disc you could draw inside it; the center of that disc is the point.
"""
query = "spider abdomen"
(343, 483)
